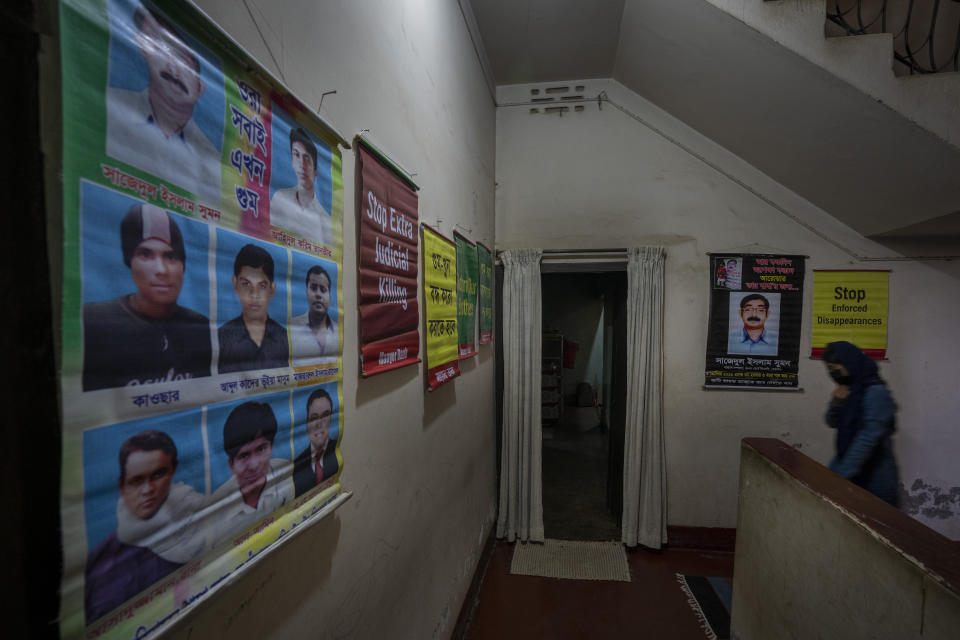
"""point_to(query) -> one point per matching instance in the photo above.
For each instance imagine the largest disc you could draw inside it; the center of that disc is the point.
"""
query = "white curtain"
(644, 473)
(521, 490)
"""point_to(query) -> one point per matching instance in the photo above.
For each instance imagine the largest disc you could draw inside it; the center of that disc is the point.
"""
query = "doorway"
(583, 392)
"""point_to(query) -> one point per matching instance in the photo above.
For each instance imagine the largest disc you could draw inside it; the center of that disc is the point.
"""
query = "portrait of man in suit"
(318, 461)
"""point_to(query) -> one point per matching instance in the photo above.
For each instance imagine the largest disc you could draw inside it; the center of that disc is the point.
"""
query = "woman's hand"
(840, 394)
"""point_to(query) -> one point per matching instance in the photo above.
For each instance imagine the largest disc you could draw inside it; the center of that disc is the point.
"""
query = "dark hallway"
(584, 377)
(575, 487)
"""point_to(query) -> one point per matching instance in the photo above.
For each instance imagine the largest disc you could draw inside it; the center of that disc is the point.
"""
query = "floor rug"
(570, 559)
(710, 598)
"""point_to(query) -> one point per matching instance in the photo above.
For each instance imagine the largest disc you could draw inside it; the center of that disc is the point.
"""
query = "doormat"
(709, 597)
(570, 559)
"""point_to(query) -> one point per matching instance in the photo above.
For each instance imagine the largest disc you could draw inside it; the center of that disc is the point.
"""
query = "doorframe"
(552, 261)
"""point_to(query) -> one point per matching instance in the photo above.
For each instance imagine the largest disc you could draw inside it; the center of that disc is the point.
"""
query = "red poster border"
(876, 354)
(376, 155)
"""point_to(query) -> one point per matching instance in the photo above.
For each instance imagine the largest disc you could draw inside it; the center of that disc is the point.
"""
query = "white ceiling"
(547, 40)
(853, 157)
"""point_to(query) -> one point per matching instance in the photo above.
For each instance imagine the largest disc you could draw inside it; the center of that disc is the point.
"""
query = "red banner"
(388, 261)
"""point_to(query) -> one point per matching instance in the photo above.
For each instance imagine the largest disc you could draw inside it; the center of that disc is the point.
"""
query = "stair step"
(856, 59)
(865, 62)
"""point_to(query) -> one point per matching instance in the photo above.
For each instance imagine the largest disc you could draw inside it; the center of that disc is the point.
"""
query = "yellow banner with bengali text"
(851, 306)
(440, 297)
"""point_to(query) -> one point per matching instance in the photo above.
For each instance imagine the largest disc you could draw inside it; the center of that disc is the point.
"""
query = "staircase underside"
(852, 156)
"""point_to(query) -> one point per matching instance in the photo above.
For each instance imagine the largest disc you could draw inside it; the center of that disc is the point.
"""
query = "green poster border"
(467, 272)
(84, 36)
(484, 256)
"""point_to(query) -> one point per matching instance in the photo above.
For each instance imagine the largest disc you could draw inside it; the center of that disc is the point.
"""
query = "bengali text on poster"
(201, 317)
(440, 302)
(753, 335)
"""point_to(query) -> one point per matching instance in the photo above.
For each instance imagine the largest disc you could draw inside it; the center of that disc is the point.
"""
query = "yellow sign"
(440, 296)
(851, 306)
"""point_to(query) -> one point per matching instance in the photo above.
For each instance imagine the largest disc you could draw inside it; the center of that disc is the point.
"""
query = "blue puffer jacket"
(868, 460)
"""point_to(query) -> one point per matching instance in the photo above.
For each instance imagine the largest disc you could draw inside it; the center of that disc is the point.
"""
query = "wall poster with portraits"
(753, 335)
(202, 319)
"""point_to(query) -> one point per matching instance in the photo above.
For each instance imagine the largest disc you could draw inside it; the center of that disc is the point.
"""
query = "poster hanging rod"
(177, 621)
(387, 160)
(766, 389)
(584, 250)
(725, 253)
(570, 251)
(253, 66)
(587, 260)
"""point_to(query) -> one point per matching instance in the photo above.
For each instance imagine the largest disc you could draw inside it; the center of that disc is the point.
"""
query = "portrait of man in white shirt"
(296, 209)
(260, 484)
(314, 335)
(155, 129)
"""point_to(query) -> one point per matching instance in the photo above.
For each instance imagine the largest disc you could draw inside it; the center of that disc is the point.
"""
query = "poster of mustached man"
(756, 310)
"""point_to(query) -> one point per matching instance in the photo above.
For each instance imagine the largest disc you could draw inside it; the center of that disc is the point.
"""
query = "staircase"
(827, 117)
(868, 61)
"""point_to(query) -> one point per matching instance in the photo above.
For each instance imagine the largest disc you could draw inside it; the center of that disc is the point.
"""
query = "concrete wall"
(397, 559)
(811, 565)
(637, 176)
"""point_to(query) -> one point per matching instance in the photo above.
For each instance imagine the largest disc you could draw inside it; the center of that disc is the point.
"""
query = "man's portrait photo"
(732, 274)
(313, 330)
(135, 329)
(141, 515)
(318, 460)
(259, 483)
(754, 324)
(300, 185)
(252, 340)
(165, 102)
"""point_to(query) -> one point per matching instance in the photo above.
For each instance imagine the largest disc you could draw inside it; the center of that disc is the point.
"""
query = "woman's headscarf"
(863, 373)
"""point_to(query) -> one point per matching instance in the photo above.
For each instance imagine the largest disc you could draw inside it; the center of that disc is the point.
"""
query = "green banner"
(201, 323)
(466, 295)
(485, 260)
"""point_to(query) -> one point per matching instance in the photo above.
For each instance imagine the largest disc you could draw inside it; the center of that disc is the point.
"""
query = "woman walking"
(862, 411)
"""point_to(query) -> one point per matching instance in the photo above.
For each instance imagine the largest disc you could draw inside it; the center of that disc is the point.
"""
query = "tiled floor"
(651, 606)
(575, 487)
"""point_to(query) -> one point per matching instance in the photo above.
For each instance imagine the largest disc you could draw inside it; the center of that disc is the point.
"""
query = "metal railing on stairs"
(926, 33)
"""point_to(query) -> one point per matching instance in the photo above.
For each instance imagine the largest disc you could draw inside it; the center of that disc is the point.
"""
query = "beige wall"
(606, 178)
(397, 559)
